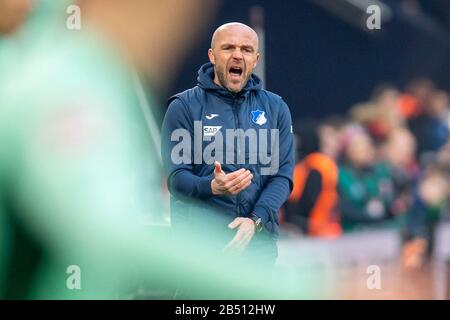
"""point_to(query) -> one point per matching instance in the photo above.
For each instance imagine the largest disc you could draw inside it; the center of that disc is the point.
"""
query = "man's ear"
(212, 59)
(257, 60)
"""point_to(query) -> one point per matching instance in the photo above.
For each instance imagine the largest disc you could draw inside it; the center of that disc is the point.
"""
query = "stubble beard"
(223, 82)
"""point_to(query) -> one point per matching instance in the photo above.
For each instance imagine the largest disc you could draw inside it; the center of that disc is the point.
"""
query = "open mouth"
(235, 72)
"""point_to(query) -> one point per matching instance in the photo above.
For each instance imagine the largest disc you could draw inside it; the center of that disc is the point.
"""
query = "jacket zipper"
(237, 126)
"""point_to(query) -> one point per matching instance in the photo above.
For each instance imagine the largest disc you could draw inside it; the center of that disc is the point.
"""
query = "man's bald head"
(234, 27)
(234, 54)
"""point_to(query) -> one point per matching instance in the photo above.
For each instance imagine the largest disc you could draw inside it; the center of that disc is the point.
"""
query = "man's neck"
(216, 81)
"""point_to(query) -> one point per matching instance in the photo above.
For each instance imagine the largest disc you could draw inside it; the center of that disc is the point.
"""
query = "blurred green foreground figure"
(78, 169)
(72, 170)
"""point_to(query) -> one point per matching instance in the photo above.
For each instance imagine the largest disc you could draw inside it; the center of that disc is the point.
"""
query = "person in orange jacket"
(312, 205)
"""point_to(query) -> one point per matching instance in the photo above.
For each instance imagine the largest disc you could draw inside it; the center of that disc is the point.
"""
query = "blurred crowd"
(385, 164)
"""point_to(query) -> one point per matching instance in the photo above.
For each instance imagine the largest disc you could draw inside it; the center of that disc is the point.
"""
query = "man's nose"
(237, 54)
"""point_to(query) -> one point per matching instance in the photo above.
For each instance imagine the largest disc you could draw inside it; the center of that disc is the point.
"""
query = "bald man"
(238, 158)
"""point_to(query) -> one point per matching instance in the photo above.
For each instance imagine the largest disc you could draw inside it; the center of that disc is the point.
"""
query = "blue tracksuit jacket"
(208, 109)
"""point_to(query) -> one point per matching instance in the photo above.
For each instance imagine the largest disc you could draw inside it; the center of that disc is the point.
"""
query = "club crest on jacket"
(259, 117)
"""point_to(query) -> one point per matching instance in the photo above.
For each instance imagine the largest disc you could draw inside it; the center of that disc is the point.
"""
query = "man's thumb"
(234, 224)
(217, 167)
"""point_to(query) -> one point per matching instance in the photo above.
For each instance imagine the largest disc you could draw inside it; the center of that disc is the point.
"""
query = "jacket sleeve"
(279, 185)
(178, 127)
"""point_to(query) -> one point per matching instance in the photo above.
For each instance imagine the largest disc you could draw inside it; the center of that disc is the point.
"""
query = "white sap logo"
(209, 131)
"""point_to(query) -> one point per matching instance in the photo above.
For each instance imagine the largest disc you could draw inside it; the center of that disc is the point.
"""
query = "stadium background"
(321, 58)
(323, 63)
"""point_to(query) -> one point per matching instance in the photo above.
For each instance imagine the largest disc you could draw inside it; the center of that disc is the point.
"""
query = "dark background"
(322, 64)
